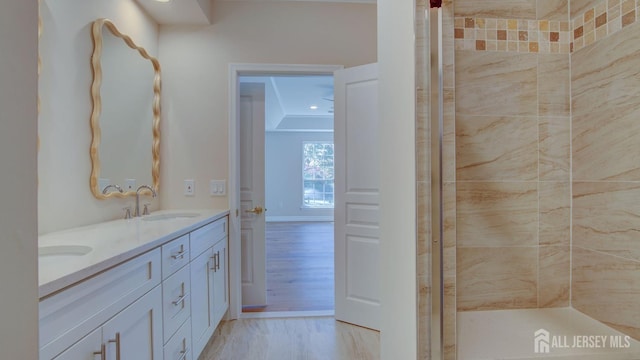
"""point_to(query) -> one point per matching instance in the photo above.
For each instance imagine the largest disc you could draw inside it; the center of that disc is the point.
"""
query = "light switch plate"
(218, 187)
(129, 185)
(189, 187)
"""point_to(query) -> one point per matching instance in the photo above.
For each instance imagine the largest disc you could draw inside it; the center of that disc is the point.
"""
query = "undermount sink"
(170, 216)
(64, 250)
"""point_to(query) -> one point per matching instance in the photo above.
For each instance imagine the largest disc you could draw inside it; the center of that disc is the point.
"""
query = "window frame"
(324, 193)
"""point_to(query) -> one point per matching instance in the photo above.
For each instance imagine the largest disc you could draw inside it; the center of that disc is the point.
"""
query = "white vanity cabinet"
(135, 333)
(209, 293)
(123, 304)
(162, 304)
(89, 348)
(220, 286)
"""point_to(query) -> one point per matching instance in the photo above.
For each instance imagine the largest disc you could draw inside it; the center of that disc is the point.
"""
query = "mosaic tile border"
(529, 36)
(606, 18)
(546, 36)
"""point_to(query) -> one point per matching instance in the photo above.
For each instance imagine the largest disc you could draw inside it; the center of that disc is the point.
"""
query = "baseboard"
(286, 314)
(298, 218)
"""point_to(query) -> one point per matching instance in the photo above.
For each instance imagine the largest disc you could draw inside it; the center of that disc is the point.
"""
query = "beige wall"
(64, 197)
(196, 62)
(606, 178)
(18, 190)
(512, 156)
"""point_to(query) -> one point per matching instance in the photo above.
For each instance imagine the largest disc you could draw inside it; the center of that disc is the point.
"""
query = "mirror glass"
(126, 112)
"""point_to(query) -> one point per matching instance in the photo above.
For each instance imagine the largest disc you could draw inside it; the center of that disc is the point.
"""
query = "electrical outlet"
(129, 185)
(189, 187)
(218, 188)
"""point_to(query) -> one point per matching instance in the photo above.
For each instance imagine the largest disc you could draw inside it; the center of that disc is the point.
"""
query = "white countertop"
(113, 242)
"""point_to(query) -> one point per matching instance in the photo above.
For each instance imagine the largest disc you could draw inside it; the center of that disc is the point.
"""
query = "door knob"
(256, 210)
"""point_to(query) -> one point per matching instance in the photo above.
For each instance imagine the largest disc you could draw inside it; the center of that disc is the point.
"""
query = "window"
(317, 174)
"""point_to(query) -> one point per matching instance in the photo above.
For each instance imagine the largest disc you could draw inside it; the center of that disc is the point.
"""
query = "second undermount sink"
(64, 250)
(170, 216)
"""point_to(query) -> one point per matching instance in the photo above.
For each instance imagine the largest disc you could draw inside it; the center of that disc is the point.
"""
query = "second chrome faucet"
(136, 212)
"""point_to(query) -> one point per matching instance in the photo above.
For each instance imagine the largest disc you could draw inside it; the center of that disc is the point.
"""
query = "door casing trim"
(235, 71)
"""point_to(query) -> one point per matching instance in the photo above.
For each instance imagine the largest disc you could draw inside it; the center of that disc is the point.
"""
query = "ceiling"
(199, 12)
(290, 100)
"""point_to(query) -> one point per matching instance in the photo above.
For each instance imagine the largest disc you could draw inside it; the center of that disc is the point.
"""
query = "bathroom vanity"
(152, 287)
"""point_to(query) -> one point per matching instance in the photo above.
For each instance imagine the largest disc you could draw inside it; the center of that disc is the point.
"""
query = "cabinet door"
(220, 286)
(89, 348)
(201, 289)
(136, 332)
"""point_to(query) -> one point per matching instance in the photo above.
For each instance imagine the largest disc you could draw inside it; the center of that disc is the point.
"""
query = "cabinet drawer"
(175, 255)
(179, 346)
(69, 315)
(176, 301)
(206, 236)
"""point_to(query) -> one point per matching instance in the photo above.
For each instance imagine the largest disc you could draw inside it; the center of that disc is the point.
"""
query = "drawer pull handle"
(179, 300)
(218, 261)
(183, 354)
(179, 255)
(214, 263)
(102, 352)
(117, 341)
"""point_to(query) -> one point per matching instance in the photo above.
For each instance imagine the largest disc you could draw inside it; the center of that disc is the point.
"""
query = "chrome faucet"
(137, 209)
(106, 189)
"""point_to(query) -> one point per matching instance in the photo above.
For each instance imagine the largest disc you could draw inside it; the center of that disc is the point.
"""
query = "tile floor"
(312, 338)
(509, 334)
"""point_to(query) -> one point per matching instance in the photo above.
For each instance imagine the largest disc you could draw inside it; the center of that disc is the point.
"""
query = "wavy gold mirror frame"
(96, 33)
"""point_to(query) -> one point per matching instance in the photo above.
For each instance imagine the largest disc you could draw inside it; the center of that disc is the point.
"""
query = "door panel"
(201, 287)
(357, 236)
(252, 193)
(84, 349)
(138, 329)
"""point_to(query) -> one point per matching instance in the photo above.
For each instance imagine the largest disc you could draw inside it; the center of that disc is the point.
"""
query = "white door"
(357, 241)
(252, 196)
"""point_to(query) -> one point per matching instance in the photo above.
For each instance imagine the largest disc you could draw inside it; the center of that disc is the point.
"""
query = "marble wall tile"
(491, 278)
(423, 213)
(449, 270)
(448, 52)
(552, 10)
(450, 315)
(578, 7)
(606, 218)
(607, 288)
(496, 83)
(554, 85)
(424, 317)
(554, 278)
(523, 9)
(555, 213)
(449, 136)
(497, 214)
(605, 103)
(423, 133)
(554, 148)
(496, 148)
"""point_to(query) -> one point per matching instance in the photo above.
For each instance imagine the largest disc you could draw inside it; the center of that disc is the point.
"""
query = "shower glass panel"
(535, 180)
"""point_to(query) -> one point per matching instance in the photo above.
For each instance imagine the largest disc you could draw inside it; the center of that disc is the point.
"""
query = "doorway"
(237, 71)
(356, 221)
(298, 160)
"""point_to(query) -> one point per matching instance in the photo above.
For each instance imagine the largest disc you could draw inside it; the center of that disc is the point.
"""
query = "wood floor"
(300, 274)
(320, 338)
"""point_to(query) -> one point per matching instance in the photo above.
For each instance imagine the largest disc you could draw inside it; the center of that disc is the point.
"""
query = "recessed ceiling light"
(163, 1)
(313, 107)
